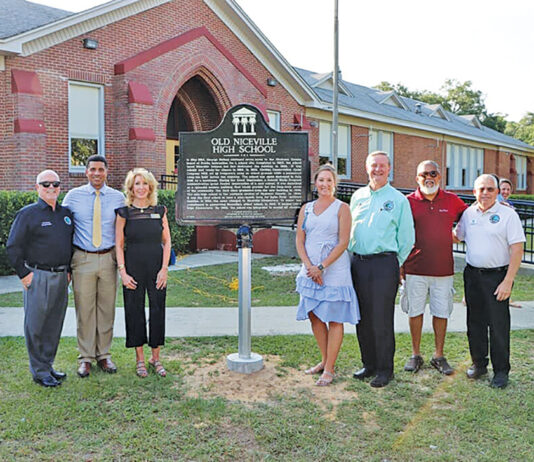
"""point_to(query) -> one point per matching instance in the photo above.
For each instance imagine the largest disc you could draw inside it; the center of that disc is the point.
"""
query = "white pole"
(336, 92)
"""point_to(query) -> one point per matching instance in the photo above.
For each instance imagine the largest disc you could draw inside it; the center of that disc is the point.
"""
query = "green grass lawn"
(212, 286)
(422, 417)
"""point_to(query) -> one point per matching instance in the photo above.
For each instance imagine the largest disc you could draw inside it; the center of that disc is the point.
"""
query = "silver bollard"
(244, 361)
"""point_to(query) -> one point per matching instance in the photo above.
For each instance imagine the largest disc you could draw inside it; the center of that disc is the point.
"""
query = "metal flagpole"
(336, 91)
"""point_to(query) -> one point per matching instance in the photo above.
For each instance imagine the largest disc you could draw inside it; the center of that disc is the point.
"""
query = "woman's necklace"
(141, 209)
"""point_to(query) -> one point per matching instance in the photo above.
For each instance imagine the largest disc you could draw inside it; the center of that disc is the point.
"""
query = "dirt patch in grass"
(215, 380)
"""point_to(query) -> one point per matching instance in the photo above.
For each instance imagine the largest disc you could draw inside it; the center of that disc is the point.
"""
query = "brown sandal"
(158, 368)
(140, 369)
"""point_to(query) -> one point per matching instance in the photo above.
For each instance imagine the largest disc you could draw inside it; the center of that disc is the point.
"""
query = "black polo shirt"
(40, 236)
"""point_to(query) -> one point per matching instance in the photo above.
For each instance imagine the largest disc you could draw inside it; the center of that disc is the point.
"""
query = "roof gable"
(392, 98)
(472, 120)
(326, 81)
(438, 111)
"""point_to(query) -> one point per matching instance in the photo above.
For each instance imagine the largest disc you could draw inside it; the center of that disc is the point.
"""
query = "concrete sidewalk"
(198, 322)
(276, 320)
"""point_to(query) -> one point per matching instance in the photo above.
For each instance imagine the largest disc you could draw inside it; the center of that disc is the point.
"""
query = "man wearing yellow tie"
(94, 265)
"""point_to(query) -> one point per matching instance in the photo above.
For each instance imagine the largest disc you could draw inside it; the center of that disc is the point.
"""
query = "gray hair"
(377, 153)
(486, 176)
(426, 162)
(43, 173)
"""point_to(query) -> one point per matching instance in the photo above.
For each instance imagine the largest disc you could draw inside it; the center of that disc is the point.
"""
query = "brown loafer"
(107, 366)
(84, 369)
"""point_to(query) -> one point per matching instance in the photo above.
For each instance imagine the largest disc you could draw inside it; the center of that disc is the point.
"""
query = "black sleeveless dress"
(143, 254)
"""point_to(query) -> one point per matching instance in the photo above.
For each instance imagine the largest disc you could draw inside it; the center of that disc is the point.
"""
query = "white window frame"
(464, 165)
(521, 169)
(101, 135)
(378, 141)
(325, 146)
(275, 118)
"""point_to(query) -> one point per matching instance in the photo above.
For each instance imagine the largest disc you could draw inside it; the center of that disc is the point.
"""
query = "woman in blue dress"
(327, 296)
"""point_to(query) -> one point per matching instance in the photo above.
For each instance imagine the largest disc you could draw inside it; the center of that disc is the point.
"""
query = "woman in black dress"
(143, 245)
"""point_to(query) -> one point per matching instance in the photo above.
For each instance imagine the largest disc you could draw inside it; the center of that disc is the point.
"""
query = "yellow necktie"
(97, 221)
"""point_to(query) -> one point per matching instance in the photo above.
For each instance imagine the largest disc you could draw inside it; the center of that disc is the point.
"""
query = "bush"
(12, 201)
(523, 197)
(180, 235)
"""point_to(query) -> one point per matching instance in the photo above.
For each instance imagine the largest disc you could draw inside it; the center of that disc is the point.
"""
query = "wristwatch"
(320, 267)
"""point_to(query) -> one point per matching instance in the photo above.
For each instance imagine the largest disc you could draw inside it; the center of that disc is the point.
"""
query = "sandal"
(326, 379)
(158, 368)
(140, 369)
(315, 369)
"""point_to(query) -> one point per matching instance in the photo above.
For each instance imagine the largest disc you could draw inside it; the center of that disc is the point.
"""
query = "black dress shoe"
(475, 372)
(84, 369)
(107, 366)
(500, 380)
(381, 380)
(47, 381)
(58, 375)
(363, 373)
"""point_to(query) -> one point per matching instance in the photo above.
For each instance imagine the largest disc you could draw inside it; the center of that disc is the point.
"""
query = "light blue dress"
(336, 299)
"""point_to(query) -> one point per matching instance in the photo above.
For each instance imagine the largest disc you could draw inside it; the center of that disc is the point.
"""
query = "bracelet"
(120, 267)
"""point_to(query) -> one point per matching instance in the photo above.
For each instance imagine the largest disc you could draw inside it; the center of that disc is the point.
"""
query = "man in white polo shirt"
(494, 238)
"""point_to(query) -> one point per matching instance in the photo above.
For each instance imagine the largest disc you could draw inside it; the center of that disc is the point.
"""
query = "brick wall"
(227, 68)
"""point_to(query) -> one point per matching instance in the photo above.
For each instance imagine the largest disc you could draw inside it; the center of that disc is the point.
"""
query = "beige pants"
(94, 280)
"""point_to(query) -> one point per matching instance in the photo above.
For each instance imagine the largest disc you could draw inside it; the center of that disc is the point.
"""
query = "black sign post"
(240, 174)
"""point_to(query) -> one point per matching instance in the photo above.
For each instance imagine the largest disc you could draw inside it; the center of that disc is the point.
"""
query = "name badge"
(46, 223)
(155, 215)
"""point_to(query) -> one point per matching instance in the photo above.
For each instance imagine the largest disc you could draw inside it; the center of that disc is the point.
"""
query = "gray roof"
(368, 100)
(20, 16)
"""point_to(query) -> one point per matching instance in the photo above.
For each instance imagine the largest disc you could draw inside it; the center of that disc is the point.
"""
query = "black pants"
(144, 267)
(485, 312)
(376, 280)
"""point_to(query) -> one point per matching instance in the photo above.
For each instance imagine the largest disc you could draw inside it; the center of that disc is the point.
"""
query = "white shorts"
(441, 291)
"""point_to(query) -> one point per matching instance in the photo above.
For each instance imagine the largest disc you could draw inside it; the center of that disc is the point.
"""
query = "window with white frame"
(86, 123)
(464, 165)
(521, 168)
(343, 147)
(380, 140)
(274, 119)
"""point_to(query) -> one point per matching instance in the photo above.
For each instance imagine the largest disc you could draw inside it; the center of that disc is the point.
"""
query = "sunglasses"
(432, 174)
(47, 184)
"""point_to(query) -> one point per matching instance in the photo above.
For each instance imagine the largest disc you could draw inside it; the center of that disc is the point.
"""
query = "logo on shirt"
(388, 206)
(443, 210)
(46, 223)
(67, 220)
(495, 219)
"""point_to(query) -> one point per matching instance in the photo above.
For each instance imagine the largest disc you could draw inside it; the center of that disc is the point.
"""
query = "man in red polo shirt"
(429, 268)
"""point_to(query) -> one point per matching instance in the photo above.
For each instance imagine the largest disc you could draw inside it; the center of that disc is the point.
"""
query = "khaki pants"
(94, 280)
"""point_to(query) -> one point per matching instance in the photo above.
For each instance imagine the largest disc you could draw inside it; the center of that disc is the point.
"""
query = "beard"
(429, 191)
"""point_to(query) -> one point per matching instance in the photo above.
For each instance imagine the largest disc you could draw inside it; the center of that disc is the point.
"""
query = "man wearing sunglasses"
(494, 237)
(429, 269)
(40, 248)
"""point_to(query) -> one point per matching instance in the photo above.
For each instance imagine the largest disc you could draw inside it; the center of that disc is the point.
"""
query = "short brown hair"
(326, 168)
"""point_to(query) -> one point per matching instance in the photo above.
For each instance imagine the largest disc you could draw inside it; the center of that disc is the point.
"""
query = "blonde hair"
(377, 153)
(326, 168)
(148, 177)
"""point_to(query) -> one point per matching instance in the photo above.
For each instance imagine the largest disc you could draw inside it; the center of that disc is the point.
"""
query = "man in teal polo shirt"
(382, 237)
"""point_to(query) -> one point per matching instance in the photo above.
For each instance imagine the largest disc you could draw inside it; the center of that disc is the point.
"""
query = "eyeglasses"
(432, 174)
(47, 184)
(490, 189)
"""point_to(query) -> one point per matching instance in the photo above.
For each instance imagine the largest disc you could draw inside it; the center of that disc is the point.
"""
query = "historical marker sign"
(241, 172)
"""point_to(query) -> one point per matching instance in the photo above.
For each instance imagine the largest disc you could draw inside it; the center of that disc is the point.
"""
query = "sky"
(419, 43)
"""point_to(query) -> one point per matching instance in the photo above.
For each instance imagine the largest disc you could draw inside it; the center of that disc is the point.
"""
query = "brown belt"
(99, 252)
